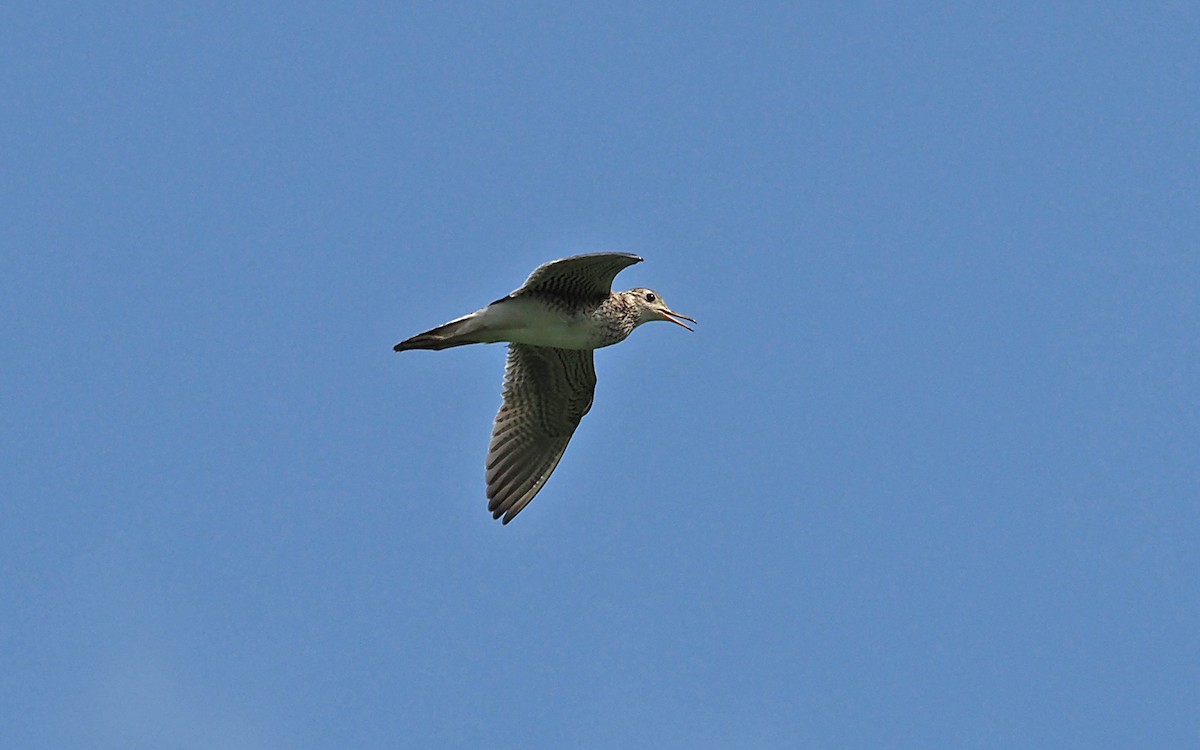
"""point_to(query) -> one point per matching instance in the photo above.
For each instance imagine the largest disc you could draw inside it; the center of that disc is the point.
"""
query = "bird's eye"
(650, 296)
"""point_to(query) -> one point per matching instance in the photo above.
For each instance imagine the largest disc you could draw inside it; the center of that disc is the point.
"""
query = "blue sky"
(925, 476)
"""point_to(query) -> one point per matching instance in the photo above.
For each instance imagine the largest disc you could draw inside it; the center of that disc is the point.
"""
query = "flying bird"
(564, 310)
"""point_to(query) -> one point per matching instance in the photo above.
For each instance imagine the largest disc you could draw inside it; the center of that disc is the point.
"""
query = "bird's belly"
(564, 337)
(527, 322)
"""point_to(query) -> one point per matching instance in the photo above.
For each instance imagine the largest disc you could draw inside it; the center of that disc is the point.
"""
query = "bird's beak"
(674, 317)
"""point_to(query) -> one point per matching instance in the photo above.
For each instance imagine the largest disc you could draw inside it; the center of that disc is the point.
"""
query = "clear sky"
(925, 476)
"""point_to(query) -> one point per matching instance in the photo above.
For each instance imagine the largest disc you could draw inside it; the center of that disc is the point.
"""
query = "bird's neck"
(617, 316)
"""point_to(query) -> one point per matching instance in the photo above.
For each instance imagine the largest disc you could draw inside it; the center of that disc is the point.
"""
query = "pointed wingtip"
(497, 514)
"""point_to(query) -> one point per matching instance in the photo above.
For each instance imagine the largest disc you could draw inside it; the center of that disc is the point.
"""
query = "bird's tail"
(455, 333)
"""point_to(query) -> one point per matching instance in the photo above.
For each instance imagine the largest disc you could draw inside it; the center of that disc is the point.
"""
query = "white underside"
(525, 321)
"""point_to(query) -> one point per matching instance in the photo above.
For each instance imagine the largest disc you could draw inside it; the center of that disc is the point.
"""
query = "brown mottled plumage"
(564, 310)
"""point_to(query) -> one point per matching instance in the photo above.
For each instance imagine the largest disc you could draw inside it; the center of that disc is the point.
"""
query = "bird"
(552, 323)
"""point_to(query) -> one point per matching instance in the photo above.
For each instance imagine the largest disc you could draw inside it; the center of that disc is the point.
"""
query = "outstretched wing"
(546, 392)
(579, 276)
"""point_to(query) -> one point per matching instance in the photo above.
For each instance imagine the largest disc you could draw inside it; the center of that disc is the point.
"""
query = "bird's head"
(650, 307)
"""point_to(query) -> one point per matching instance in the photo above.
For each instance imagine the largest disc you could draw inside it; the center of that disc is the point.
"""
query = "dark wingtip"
(497, 512)
(420, 341)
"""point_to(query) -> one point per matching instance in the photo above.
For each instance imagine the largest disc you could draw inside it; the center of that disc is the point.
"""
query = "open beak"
(674, 317)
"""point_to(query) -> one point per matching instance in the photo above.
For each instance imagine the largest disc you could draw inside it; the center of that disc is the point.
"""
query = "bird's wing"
(546, 392)
(580, 275)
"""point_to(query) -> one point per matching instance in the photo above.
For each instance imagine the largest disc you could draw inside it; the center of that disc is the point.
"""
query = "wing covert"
(588, 275)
